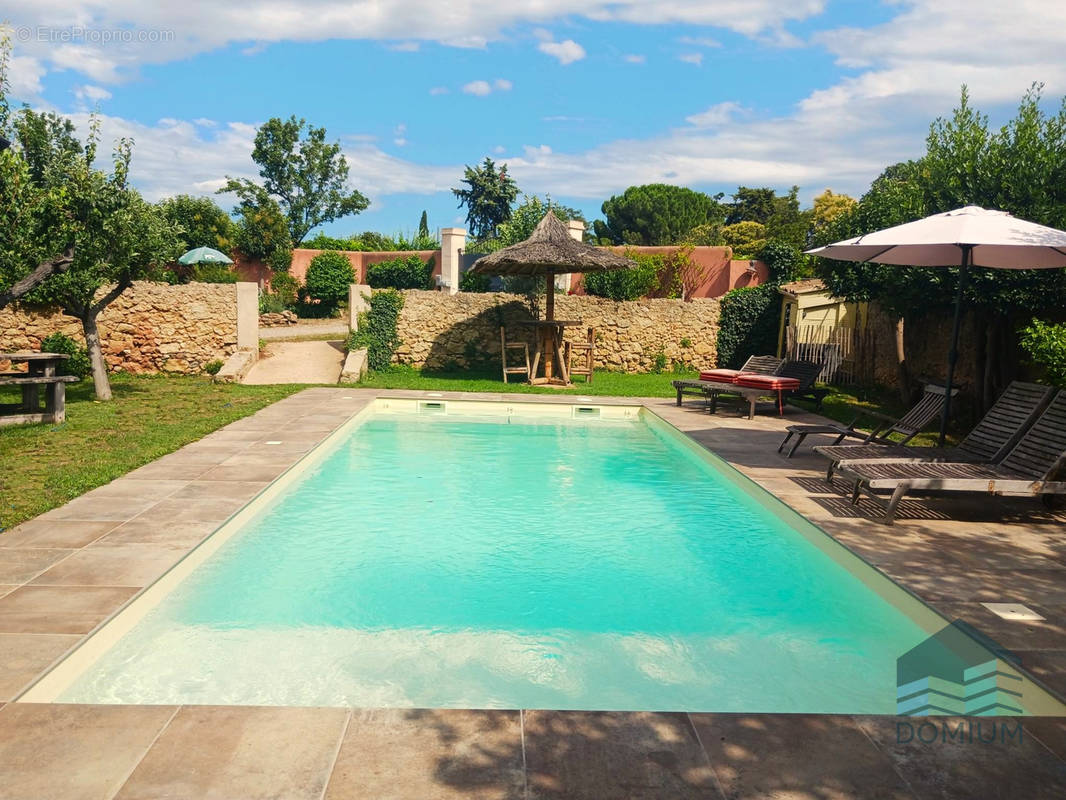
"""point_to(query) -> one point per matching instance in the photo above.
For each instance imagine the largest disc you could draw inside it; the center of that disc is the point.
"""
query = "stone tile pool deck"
(67, 571)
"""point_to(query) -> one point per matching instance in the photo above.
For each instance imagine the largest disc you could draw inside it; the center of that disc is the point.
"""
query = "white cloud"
(482, 88)
(92, 94)
(499, 149)
(635, 58)
(162, 32)
(399, 134)
(716, 115)
(24, 75)
(700, 41)
(438, 90)
(692, 58)
(567, 52)
(479, 88)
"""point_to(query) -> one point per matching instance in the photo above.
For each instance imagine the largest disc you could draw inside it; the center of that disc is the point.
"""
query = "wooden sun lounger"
(992, 438)
(761, 365)
(908, 426)
(1035, 466)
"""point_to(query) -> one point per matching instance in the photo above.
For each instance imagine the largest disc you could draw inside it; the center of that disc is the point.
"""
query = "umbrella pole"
(953, 353)
(547, 335)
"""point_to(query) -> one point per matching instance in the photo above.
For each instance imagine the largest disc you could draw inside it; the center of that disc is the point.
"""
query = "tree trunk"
(903, 377)
(96, 356)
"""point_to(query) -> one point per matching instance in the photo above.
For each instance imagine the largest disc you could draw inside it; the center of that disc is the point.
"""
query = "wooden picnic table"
(549, 347)
(41, 372)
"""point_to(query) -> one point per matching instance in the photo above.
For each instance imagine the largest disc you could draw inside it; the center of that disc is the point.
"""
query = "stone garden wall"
(437, 329)
(151, 327)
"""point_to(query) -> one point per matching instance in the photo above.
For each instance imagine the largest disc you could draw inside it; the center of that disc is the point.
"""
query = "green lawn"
(44, 466)
(612, 384)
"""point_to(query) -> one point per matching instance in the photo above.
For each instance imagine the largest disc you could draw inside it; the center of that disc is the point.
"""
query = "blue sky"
(708, 94)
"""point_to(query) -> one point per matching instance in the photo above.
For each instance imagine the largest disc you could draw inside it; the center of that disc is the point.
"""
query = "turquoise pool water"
(521, 563)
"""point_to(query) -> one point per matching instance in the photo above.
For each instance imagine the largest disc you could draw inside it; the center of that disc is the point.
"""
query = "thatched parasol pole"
(549, 297)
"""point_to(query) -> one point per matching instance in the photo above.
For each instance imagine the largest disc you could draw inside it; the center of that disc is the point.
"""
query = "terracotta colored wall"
(723, 273)
(258, 272)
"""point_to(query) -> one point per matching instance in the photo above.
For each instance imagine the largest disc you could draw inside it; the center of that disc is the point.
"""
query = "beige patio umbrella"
(966, 237)
(549, 251)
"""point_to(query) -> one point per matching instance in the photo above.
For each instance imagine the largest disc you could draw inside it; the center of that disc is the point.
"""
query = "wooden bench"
(42, 372)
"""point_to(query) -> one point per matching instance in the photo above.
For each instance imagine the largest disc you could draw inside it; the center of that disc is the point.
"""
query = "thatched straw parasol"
(549, 251)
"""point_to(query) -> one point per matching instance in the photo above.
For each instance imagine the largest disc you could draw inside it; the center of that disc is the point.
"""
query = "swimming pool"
(476, 555)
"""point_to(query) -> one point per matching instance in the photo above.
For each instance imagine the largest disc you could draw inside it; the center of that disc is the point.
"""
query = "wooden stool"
(587, 349)
(504, 347)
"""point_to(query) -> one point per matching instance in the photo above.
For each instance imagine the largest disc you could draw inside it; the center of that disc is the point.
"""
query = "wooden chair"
(587, 349)
(504, 347)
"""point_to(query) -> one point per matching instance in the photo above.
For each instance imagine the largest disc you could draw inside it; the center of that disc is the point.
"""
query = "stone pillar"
(452, 241)
(577, 231)
(247, 316)
(357, 303)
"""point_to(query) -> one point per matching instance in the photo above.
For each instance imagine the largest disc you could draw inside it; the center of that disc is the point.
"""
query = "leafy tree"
(36, 233)
(261, 229)
(746, 238)
(328, 277)
(306, 176)
(828, 206)
(787, 223)
(116, 236)
(202, 222)
(751, 205)
(1021, 168)
(423, 226)
(488, 197)
(655, 214)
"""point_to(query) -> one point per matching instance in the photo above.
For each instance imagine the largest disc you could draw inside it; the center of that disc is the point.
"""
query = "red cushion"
(722, 375)
(773, 382)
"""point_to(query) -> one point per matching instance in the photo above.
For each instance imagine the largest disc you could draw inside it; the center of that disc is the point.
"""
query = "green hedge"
(1046, 345)
(78, 364)
(627, 284)
(377, 329)
(328, 277)
(748, 325)
(407, 272)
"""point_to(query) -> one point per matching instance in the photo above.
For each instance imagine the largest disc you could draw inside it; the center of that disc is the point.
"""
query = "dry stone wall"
(151, 327)
(438, 330)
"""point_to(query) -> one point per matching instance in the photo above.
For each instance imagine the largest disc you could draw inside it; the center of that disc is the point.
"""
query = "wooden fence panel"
(847, 355)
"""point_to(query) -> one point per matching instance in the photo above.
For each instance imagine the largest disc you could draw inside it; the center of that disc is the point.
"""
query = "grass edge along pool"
(53, 685)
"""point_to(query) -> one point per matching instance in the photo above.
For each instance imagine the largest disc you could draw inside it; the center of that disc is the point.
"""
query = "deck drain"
(1013, 611)
(272, 443)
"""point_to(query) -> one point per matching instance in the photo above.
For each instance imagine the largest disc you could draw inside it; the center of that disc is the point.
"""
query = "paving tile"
(219, 490)
(146, 531)
(438, 754)
(18, 565)
(112, 565)
(262, 473)
(144, 488)
(795, 757)
(211, 510)
(71, 752)
(168, 468)
(239, 752)
(24, 656)
(1046, 634)
(62, 534)
(7, 588)
(101, 508)
(1047, 666)
(1050, 732)
(59, 609)
(606, 755)
(938, 759)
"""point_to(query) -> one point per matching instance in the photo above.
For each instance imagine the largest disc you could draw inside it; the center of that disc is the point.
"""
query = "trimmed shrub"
(78, 364)
(212, 273)
(328, 277)
(474, 282)
(284, 286)
(784, 261)
(748, 325)
(377, 329)
(1046, 345)
(408, 272)
(270, 304)
(279, 259)
(627, 284)
(212, 367)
